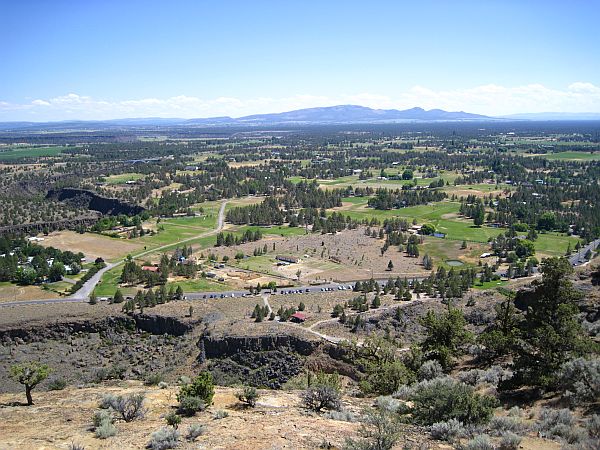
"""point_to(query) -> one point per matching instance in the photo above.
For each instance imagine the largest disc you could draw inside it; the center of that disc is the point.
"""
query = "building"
(150, 269)
(289, 259)
(298, 317)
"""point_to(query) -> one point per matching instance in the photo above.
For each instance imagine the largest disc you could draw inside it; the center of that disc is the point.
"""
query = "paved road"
(578, 258)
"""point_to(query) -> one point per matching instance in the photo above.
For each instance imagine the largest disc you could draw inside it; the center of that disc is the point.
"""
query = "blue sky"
(107, 59)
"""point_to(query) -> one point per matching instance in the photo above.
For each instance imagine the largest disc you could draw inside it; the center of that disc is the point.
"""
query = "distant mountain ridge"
(341, 114)
(328, 115)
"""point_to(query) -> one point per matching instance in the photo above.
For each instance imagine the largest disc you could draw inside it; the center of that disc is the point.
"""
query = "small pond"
(454, 263)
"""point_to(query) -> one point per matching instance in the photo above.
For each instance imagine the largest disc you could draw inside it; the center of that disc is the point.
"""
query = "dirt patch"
(14, 293)
(91, 245)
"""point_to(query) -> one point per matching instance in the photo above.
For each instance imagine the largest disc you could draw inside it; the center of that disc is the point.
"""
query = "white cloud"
(488, 99)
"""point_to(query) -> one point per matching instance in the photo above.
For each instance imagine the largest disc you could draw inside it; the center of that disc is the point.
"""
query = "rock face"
(152, 324)
(231, 345)
(94, 201)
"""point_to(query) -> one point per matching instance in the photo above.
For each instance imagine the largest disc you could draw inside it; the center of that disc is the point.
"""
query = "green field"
(16, 153)
(573, 156)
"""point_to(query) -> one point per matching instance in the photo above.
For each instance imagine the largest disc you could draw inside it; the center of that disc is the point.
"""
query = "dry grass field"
(90, 244)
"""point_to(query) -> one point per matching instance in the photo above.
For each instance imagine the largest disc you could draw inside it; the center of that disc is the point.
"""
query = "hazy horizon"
(185, 59)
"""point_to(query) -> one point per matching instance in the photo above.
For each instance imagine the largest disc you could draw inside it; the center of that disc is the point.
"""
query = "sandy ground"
(60, 418)
(91, 245)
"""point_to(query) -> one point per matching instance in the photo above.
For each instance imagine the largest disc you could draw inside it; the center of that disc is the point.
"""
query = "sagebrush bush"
(449, 431)
(194, 431)
(57, 384)
(153, 379)
(442, 399)
(509, 441)
(580, 379)
(500, 424)
(515, 411)
(429, 370)
(220, 414)
(107, 401)
(105, 430)
(130, 407)
(493, 376)
(403, 393)
(551, 418)
(560, 423)
(189, 405)
(481, 442)
(593, 426)
(163, 439)
(321, 397)
(343, 415)
(387, 402)
(100, 417)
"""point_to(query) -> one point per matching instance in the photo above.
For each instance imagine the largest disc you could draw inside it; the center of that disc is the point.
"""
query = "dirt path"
(335, 339)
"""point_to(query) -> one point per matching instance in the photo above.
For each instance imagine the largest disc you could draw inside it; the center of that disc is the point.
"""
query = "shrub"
(183, 380)
(202, 386)
(560, 423)
(509, 441)
(194, 431)
(493, 376)
(449, 431)
(550, 419)
(173, 419)
(442, 399)
(163, 439)
(220, 414)
(57, 384)
(481, 442)
(321, 378)
(188, 406)
(500, 424)
(343, 415)
(515, 411)
(380, 430)
(387, 402)
(153, 379)
(105, 430)
(429, 370)
(130, 407)
(321, 397)
(101, 417)
(248, 395)
(107, 401)
(593, 426)
(114, 372)
(580, 378)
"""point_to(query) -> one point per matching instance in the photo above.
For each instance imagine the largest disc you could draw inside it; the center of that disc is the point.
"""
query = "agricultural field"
(15, 153)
